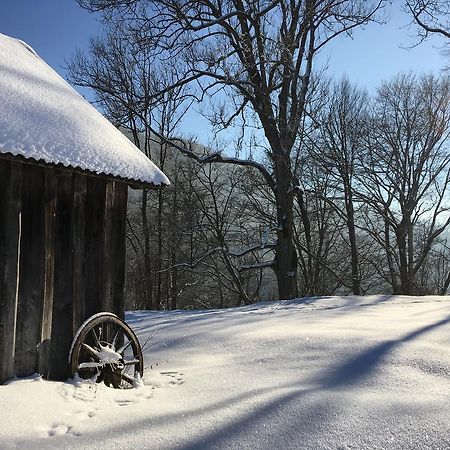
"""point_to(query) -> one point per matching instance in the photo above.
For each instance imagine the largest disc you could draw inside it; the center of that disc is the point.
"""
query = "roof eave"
(135, 184)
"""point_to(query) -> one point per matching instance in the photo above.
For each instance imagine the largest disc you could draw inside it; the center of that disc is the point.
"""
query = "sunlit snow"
(44, 119)
(318, 373)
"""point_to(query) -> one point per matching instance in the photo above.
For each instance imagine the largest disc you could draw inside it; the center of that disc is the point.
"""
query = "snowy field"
(322, 373)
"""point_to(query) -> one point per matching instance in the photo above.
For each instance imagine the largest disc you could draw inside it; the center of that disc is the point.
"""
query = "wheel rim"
(106, 349)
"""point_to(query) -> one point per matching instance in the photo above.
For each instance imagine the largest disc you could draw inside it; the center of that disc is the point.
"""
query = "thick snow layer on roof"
(43, 118)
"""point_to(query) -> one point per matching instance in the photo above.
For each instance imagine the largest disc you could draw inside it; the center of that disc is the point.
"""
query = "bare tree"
(431, 16)
(228, 229)
(261, 54)
(336, 150)
(215, 236)
(323, 259)
(406, 173)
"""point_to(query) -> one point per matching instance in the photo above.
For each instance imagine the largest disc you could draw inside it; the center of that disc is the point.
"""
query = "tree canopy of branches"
(431, 16)
(337, 150)
(260, 54)
(407, 173)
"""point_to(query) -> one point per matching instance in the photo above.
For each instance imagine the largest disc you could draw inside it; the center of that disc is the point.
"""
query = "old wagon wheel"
(106, 348)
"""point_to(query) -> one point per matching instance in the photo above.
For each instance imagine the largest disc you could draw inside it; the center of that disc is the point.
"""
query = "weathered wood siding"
(118, 240)
(10, 231)
(63, 304)
(32, 271)
(49, 273)
(62, 259)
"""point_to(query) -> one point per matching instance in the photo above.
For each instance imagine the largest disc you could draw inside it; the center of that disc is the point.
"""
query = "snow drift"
(319, 373)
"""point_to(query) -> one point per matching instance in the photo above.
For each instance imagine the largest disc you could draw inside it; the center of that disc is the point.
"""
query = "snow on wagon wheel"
(106, 349)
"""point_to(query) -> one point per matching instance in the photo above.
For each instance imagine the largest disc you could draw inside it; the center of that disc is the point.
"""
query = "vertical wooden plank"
(108, 249)
(78, 240)
(118, 244)
(32, 268)
(62, 320)
(49, 258)
(94, 247)
(10, 232)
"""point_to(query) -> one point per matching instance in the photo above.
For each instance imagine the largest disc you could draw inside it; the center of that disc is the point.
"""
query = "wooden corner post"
(10, 235)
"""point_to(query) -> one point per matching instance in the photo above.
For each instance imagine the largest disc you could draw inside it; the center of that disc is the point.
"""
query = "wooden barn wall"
(31, 272)
(62, 259)
(10, 231)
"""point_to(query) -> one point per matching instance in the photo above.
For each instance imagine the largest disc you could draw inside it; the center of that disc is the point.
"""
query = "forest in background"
(320, 189)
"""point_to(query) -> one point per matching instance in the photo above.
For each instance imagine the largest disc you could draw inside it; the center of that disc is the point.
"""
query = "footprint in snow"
(58, 429)
(175, 378)
(123, 402)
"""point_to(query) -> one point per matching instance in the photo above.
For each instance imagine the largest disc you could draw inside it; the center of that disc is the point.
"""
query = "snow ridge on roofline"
(42, 118)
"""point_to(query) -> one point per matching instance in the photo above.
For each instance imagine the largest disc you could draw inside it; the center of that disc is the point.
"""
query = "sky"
(55, 28)
(378, 52)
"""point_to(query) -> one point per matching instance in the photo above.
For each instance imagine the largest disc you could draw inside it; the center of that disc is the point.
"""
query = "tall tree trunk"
(148, 282)
(219, 284)
(356, 281)
(173, 285)
(286, 262)
(406, 287)
(396, 288)
(285, 266)
(158, 300)
(444, 288)
(413, 290)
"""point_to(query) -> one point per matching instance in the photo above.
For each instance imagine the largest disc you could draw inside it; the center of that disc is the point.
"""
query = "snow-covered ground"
(338, 373)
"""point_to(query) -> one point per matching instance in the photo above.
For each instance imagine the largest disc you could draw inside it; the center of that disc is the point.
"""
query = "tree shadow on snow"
(256, 408)
(353, 371)
(357, 368)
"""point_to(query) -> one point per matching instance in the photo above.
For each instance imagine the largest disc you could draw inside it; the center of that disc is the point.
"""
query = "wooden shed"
(64, 177)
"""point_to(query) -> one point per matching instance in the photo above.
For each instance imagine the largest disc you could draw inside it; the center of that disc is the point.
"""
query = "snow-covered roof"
(42, 118)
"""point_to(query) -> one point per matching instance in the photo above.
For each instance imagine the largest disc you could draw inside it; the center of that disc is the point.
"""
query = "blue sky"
(378, 52)
(55, 28)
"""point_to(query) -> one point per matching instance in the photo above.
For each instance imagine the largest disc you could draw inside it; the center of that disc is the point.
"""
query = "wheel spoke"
(90, 365)
(97, 340)
(124, 347)
(128, 378)
(113, 343)
(94, 353)
(129, 363)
